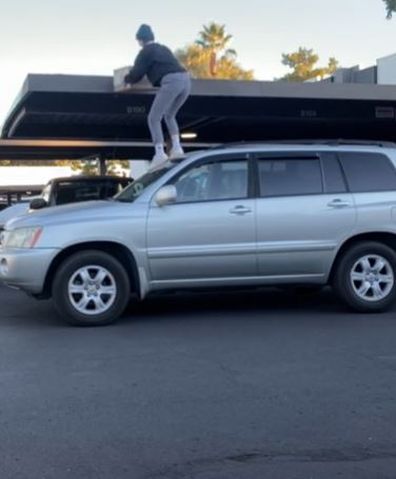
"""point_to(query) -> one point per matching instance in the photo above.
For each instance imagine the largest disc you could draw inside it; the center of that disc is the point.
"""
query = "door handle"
(338, 203)
(240, 210)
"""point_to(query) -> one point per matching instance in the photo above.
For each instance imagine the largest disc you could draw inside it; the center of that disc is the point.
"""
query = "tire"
(361, 282)
(91, 288)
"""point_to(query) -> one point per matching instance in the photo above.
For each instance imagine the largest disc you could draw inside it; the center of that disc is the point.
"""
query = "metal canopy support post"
(102, 166)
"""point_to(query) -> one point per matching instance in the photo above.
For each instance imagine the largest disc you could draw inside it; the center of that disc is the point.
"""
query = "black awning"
(64, 107)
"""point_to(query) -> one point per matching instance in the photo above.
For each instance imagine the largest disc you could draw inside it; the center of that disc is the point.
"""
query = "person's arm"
(139, 69)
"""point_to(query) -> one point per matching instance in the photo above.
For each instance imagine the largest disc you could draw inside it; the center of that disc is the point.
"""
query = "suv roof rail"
(335, 142)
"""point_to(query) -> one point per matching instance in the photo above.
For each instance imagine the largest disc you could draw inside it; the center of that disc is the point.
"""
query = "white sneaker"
(158, 159)
(177, 152)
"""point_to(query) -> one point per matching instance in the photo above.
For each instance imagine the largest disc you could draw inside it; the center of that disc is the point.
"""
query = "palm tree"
(210, 57)
(214, 42)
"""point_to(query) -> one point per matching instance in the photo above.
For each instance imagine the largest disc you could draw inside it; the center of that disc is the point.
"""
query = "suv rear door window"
(290, 176)
(367, 172)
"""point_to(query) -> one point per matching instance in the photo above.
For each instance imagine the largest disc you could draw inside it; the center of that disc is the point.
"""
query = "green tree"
(303, 62)
(211, 57)
(390, 7)
(117, 167)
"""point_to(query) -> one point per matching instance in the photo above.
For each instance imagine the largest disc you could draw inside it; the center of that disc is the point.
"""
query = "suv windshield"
(136, 188)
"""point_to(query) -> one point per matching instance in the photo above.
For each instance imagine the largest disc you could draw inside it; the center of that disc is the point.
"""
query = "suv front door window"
(214, 181)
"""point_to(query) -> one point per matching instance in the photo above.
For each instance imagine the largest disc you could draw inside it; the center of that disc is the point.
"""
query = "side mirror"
(166, 195)
(38, 204)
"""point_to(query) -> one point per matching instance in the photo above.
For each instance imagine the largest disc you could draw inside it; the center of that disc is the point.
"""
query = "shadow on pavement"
(16, 307)
(257, 301)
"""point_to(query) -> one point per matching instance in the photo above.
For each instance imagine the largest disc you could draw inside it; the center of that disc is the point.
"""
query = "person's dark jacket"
(155, 61)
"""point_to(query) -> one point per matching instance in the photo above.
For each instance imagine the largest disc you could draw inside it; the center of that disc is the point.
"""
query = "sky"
(98, 36)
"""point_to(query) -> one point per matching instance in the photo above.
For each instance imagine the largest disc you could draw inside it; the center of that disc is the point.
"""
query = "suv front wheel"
(91, 288)
(365, 277)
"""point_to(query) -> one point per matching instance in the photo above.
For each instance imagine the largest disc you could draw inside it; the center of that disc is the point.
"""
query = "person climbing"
(163, 70)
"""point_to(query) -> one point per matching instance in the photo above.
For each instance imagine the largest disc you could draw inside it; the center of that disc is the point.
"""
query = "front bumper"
(26, 269)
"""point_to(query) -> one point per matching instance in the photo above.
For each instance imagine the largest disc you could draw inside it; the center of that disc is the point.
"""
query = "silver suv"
(248, 215)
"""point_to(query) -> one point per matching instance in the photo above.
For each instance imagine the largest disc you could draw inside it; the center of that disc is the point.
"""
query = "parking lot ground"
(212, 386)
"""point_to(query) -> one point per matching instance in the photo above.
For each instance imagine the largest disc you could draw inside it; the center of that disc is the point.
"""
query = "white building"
(383, 73)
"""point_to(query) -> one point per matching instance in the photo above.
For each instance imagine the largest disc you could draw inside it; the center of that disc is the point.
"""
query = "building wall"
(368, 75)
(384, 73)
(387, 70)
(354, 75)
(32, 175)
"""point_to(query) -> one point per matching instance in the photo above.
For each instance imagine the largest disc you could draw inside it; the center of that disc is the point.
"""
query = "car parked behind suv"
(72, 189)
(250, 215)
(75, 189)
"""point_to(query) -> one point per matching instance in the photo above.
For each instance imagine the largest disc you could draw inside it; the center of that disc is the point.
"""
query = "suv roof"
(336, 142)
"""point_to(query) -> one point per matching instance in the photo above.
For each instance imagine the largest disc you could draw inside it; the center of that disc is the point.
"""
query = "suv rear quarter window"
(368, 172)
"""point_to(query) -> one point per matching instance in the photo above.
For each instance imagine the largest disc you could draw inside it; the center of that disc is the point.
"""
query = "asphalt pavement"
(217, 386)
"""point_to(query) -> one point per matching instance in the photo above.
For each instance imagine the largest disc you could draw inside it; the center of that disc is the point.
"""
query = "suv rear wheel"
(366, 277)
(91, 288)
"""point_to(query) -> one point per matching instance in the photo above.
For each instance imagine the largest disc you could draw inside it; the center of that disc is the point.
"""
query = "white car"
(61, 191)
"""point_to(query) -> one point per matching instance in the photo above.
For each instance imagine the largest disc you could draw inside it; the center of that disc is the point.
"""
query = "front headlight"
(22, 237)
